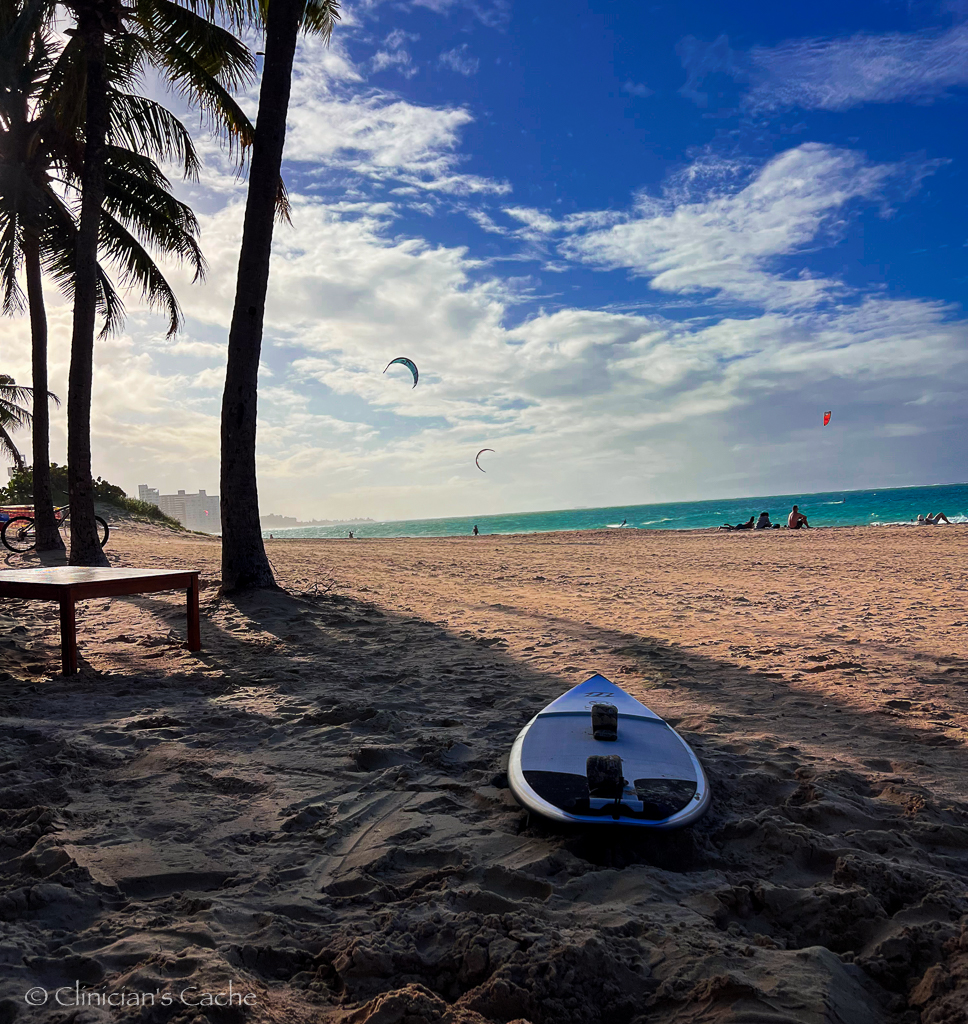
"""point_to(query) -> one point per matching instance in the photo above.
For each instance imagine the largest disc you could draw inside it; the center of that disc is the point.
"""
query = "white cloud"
(494, 14)
(379, 136)
(336, 123)
(637, 89)
(395, 54)
(458, 60)
(727, 240)
(836, 74)
(541, 222)
(340, 129)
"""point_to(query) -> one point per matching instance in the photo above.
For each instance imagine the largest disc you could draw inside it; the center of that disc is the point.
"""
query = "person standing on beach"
(476, 531)
(796, 519)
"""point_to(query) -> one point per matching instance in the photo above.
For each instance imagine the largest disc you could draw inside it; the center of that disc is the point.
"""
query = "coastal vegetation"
(20, 490)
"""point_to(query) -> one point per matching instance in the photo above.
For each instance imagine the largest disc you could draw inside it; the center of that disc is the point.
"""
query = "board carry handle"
(604, 773)
(605, 722)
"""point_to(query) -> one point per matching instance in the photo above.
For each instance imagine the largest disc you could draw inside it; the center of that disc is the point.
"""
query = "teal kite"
(408, 363)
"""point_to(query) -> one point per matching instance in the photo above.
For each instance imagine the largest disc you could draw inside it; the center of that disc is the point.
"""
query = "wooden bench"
(70, 583)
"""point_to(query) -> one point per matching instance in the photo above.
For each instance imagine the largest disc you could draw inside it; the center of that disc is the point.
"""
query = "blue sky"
(636, 249)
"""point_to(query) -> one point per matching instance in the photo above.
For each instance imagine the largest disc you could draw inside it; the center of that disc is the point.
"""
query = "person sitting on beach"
(796, 519)
(938, 517)
(763, 523)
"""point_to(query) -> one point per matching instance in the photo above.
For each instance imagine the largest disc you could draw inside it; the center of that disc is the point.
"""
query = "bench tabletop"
(72, 575)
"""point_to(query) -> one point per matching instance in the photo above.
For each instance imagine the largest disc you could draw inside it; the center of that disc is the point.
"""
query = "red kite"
(826, 418)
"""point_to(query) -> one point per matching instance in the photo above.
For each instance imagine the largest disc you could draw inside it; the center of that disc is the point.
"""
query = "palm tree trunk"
(48, 536)
(85, 548)
(244, 562)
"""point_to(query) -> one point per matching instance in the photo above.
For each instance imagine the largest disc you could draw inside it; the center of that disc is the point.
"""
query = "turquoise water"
(833, 508)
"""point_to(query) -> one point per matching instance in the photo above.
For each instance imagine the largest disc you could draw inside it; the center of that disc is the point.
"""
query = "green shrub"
(20, 489)
(145, 509)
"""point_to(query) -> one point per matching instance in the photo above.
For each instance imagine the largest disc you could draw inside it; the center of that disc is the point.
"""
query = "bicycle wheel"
(103, 532)
(19, 534)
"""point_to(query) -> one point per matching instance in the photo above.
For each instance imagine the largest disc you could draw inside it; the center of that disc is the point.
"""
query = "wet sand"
(315, 808)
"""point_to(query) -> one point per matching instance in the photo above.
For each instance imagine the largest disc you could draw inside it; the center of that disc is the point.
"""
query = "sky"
(638, 250)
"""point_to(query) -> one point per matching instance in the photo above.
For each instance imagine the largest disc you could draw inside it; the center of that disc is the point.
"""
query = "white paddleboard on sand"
(597, 756)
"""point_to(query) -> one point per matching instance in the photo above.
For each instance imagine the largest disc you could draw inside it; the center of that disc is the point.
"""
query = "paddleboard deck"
(646, 775)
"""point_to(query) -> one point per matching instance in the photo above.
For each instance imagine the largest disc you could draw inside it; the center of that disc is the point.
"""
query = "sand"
(314, 809)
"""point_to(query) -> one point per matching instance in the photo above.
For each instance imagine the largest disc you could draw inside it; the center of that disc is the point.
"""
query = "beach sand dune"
(315, 808)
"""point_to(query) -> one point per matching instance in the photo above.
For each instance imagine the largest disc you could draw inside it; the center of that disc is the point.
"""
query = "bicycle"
(19, 534)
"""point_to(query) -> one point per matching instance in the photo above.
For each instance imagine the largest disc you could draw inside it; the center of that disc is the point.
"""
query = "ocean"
(882, 507)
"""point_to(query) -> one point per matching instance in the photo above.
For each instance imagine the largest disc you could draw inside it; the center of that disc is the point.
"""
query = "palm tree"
(40, 139)
(203, 61)
(244, 562)
(20, 67)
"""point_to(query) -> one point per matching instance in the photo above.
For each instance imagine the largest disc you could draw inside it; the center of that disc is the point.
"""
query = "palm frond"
(283, 207)
(237, 14)
(214, 49)
(127, 59)
(136, 194)
(202, 62)
(58, 245)
(63, 95)
(109, 305)
(7, 446)
(21, 25)
(145, 126)
(15, 400)
(320, 17)
(139, 270)
(208, 94)
(10, 259)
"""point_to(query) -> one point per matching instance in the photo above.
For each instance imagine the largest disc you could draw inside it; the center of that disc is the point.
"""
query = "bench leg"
(194, 631)
(68, 636)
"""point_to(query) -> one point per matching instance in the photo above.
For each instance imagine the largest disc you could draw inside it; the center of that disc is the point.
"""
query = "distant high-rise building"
(194, 511)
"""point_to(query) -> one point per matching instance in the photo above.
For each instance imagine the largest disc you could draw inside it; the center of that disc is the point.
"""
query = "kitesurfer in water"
(796, 519)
